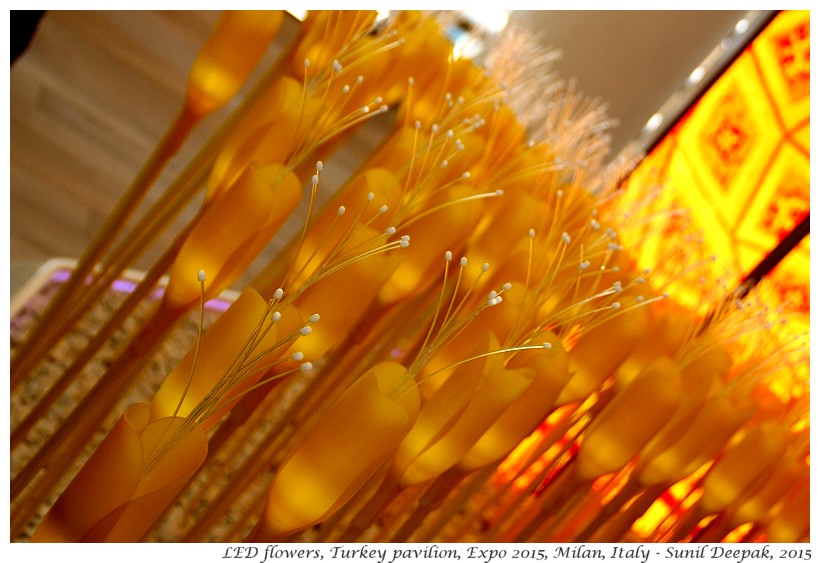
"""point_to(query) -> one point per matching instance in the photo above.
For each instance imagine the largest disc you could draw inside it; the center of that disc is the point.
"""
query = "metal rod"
(775, 256)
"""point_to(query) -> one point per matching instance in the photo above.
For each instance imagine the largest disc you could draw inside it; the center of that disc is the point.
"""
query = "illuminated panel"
(738, 163)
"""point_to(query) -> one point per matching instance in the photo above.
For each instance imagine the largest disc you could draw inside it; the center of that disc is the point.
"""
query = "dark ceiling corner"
(23, 25)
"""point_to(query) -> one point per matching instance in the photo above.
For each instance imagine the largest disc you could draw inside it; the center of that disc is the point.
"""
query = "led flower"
(231, 231)
(325, 33)
(155, 449)
(630, 420)
(790, 524)
(703, 435)
(229, 56)
(523, 415)
(334, 461)
(340, 316)
(596, 355)
(121, 504)
(432, 234)
(265, 136)
(227, 361)
(760, 506)
(462, 409)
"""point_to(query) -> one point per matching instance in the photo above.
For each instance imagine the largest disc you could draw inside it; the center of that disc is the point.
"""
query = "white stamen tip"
(307, 63)
(459, 145)
(390, 231)
(463, 261)
(507, 286)
(275, 317)
(485, 267)
(341, 210)
(200, 276)
(493, 294)
(404, 243)
(565, 238)
(314, 180)
(278, 294)
(371, 196)
(547, 346)
(444, 163)
(410, 80)
(531, 233)
(559, 194)
(583, 265)
(297, 356)
(595, 225)
(616, 305)
(337, 66)
(434, 128)
(639, 299)
(306, 367)
(305, 330)
(383, 209)
(466, 175)
(319, 165)
(314, 318)
(448, 256)
(499, 192)
(639, 279)
(418, 124)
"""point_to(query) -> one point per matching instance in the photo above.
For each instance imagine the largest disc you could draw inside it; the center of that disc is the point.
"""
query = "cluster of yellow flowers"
(458, 316)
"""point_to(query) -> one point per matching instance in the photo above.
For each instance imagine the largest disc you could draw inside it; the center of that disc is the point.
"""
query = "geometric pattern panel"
(738, 162)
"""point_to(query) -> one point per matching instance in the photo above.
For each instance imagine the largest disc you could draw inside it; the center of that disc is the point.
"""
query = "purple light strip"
(127, 286)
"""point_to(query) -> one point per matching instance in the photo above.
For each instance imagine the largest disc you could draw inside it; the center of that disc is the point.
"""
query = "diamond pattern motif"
(739, 162)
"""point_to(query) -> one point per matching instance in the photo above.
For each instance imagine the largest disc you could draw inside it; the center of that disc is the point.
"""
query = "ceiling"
(634, 60)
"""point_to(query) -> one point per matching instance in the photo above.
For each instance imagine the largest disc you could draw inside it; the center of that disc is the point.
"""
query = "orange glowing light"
(738, 165)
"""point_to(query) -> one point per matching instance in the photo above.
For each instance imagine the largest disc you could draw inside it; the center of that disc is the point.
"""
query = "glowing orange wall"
(738, 161)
